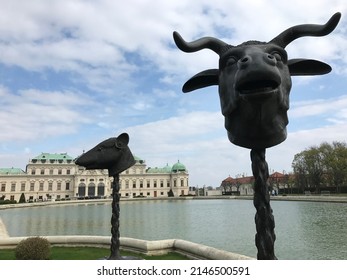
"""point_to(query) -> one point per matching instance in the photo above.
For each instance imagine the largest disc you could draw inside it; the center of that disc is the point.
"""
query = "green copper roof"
(11, 171)
(62, 157)
(178, 167)
(165, 169)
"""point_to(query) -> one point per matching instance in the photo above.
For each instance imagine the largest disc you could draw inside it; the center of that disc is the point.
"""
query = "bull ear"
(124, 138)
(306, 67)
(203, 79)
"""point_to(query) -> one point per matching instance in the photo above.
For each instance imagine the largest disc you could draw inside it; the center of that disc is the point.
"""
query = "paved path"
(3, 231)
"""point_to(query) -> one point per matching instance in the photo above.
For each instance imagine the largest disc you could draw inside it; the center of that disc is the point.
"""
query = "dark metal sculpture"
(114, 155)
(254, 81)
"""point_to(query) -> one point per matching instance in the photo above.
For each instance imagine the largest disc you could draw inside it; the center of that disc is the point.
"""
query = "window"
(12, 197)
(41, 186)
(148, 184)
(22, 187)
(127, 184)
(155, 183)
(134, 184)
(161, 184)
(68, 171)
(175, 183)
(51, 172)
(59, 186)
(32, 171)
(42, 171)
(182, 183)
(13, 187)
(32, 186)
(50, 186)
(141, 184)
(67, 186)
(3, 187)
(59, 172)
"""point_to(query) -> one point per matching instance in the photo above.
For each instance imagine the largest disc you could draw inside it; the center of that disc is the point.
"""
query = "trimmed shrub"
(33, 248)
(22, 198)
(7, 201)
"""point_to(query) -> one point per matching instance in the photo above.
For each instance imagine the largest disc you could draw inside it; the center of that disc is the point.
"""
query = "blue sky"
(73, 73)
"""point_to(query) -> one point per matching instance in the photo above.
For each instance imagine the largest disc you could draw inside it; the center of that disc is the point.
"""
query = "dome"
(178, 167)
(139, 160)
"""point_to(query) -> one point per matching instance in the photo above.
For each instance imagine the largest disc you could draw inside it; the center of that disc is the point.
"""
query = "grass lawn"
(89, 253)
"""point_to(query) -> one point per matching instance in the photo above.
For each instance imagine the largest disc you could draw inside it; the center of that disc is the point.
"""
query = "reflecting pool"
(304, 230)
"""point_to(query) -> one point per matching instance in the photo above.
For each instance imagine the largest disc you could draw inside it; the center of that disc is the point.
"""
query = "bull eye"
(230, 61)
(118, 145)
(280, 55)
(277, 55)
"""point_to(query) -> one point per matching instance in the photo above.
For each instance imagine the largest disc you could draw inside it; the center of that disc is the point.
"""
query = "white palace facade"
(57, 177)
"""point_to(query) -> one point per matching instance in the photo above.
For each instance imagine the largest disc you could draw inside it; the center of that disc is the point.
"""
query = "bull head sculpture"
(254, 81)
(112, 154)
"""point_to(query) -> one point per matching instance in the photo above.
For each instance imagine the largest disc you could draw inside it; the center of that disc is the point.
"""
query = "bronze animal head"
(112, 154)
(254, 81)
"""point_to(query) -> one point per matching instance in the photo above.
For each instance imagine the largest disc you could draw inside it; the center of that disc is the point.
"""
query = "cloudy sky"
(73, 73)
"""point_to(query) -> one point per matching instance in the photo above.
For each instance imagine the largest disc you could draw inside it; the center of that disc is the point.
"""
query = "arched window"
(82, 189)
(101, 189)
(91, 189)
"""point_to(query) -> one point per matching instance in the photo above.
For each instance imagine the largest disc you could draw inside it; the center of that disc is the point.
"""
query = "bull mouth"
(257, 87)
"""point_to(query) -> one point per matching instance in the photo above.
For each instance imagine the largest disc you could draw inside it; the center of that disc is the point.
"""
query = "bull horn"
(295, 32)
(211, 43)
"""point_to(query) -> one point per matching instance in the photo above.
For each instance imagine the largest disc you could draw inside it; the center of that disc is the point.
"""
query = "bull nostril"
(269, 56)
(244, 62)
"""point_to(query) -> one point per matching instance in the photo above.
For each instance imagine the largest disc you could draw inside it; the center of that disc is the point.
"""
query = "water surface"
(304, 230)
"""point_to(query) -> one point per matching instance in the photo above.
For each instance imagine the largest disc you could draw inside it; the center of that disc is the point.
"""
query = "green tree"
(323, 165)
(308, 168)
(335, 162)
(300, 171)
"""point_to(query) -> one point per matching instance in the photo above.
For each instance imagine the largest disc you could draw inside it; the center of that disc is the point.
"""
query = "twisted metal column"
(264, 220)
(115, 243)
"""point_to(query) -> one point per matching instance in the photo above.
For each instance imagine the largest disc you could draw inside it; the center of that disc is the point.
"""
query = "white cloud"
(33, 114)
(334, 108)
(113, 50)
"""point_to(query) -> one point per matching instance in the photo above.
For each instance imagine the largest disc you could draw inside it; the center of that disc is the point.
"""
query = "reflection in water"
(304, 230)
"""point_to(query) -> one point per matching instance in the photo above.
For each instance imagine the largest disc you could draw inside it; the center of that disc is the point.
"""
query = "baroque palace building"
(57, 177)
